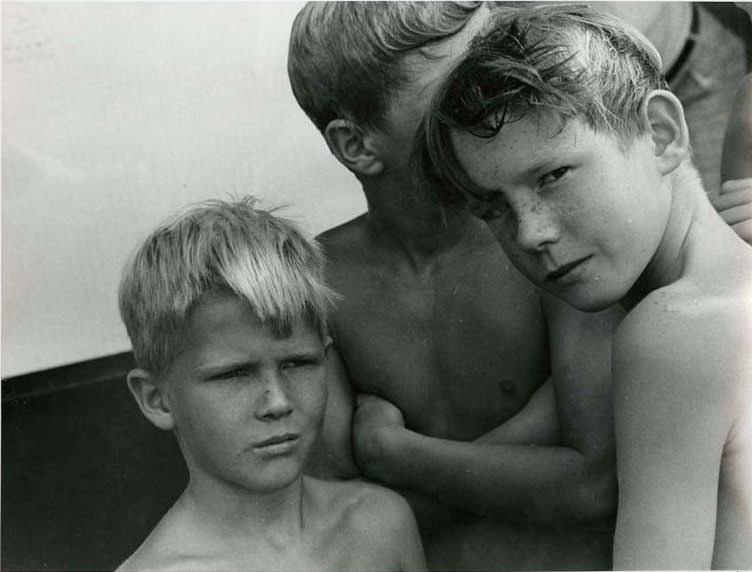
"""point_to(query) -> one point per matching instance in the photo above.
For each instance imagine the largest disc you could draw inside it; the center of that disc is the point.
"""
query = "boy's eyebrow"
(223, 367)
(485, 194)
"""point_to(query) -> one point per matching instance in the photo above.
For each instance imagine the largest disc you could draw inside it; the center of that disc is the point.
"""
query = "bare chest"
(458, 353)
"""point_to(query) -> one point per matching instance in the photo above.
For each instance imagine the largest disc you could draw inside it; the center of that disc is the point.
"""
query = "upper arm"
(581, 370)
(332, 456)
(671, 425)
(412, 556)
(383, 529)
(402, 530)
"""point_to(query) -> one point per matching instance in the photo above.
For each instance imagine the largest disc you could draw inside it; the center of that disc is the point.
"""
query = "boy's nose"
(536, 227)
(274, 403)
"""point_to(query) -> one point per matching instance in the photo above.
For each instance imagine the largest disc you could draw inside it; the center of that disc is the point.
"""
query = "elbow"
(374, 455)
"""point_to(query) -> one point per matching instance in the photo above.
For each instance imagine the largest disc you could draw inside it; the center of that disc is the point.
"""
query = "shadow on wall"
(85, 477)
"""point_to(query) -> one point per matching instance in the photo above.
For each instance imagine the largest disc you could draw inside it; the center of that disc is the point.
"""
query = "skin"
(646, 235)
(235, 384)
(735, 201)
(449, 342)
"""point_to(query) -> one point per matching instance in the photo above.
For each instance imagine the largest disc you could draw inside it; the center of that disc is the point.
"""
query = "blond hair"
(219, 246)
(345, 58)
(555, 62)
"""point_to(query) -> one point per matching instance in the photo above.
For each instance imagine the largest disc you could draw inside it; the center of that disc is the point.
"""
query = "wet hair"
(344, 58)
(551, 62)
(219, 247)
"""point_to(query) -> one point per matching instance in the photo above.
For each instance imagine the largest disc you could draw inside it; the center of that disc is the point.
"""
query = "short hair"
(556, 62)
(344, 58)
(219, 246)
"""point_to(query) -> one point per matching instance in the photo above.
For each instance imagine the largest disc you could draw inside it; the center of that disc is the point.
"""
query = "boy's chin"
(586, 302)
(276, 480)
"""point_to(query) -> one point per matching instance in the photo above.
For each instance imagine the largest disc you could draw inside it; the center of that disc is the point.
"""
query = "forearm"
(551, 485)
(536, 424)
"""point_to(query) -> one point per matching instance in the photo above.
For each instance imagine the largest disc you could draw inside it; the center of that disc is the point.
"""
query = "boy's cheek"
(313, 398)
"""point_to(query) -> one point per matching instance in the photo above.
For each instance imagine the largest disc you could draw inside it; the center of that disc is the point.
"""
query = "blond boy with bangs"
(226, 310)
(557, 128)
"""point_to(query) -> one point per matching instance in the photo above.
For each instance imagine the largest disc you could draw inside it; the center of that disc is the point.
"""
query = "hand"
(375, 423)
(734, 204)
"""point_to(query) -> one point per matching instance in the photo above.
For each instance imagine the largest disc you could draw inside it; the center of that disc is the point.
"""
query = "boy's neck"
(231, 512)
(689, 208)
(408, 220)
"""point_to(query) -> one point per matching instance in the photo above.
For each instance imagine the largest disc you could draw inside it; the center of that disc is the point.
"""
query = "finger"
(744, 229)
(735, 185)
(735, 215)
(733, 199)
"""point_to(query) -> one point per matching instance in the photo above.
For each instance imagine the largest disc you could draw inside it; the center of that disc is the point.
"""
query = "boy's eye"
(298, 362)
(554, 175)
(231, 374)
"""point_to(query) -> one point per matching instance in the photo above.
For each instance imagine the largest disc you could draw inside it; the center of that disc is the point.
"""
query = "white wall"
(114, 116)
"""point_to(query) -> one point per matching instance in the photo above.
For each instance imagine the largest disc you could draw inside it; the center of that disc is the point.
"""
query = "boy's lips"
(278, 444)
(565, 269)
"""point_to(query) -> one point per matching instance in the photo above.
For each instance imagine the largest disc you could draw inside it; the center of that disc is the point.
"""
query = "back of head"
(344, 57)
(554, 62)
(219, 246)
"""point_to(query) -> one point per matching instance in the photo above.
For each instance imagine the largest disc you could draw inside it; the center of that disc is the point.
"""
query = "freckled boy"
(557, 128)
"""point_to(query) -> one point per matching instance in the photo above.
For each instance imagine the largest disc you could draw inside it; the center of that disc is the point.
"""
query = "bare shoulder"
(688, 343)
(344, 239)
(369, 526)
(349, 255)
(138, 563)
(681, 316)
(361, 505)
(164, 550)
(154, 555)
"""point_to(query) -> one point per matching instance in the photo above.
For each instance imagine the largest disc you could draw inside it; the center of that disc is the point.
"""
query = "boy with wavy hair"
(556, 127)
(226, 309)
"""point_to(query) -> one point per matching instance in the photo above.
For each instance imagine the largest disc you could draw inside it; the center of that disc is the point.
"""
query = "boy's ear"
(668, 129)
(151, 397)
(353, 147)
